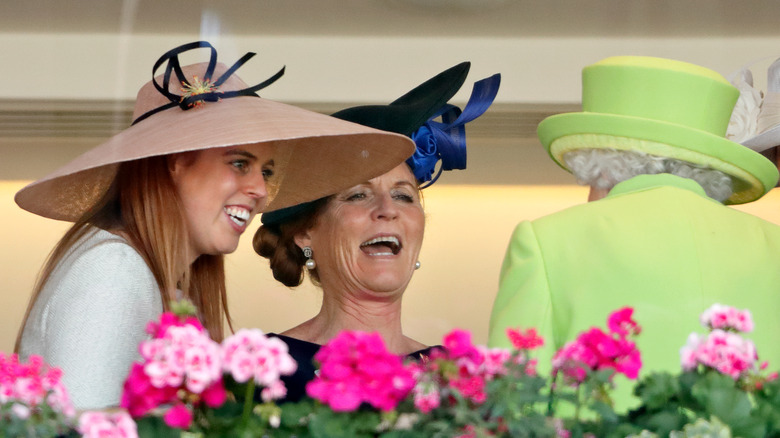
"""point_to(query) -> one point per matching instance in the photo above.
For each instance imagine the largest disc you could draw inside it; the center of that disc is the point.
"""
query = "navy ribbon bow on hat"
(210, 94)
(446, 140)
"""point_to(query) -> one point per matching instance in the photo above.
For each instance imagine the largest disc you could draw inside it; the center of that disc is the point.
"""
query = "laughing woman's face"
(368, 237)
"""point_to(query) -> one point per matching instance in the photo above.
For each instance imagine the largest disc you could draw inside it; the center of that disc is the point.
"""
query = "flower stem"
(249, 399)
(552, 395)
(577, 404)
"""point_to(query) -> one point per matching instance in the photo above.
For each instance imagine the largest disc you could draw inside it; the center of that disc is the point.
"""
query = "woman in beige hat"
(157, 205)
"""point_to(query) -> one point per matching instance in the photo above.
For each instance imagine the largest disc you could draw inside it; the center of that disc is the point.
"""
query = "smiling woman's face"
(368, 237)
(221, 191)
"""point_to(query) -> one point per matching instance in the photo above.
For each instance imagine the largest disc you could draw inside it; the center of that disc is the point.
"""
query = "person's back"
(651, 134)
(661, 248)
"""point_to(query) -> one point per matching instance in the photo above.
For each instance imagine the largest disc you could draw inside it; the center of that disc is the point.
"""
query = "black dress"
(303, 352)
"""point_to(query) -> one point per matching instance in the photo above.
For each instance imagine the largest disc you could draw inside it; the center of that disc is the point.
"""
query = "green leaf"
(664, 422)
(604, 411)
(723, 399)
(155, 427)
(657, 389)
(325, 423)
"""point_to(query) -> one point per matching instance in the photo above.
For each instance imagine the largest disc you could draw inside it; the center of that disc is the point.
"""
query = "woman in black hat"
(361, 245)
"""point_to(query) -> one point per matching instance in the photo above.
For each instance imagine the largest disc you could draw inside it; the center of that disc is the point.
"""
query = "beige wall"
(106, 66)
(468, 225)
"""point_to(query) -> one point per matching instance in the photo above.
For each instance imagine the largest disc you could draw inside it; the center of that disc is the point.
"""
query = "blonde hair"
(138, 204)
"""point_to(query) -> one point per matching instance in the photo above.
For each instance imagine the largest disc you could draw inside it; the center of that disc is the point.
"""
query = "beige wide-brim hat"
(315, 154)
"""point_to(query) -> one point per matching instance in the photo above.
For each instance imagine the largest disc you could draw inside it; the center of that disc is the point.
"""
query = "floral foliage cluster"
(189, 386)
(596, 350)
(180, 369)
(724, 390)
(723, 349)
(183, 375)
(33, 400)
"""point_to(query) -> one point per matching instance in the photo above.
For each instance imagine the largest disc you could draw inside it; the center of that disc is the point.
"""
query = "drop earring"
(417, 265)
(310, 263)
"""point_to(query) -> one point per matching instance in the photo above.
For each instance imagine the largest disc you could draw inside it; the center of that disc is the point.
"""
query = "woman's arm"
(97, 306)
(523, 298)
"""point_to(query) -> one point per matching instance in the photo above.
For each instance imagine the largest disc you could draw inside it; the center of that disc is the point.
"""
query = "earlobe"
(302, 239)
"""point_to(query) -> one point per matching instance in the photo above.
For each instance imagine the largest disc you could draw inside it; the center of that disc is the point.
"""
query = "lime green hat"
(661, 107)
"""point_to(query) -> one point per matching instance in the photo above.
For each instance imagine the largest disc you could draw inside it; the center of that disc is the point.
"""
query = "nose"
(255, 188)
(385, 208)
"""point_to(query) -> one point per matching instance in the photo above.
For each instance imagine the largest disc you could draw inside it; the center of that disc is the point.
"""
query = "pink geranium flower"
(426, 396)
(139, 396)
(726, 352)
(181, 363)
(529, 340)
(494, 361)
(274, 391)
(101, 424)
(595, 350)
(214, 395)
(178, 416)
(458, 344)
(621, 323)
(157, 329)
(723, 349)
(356, 368)
(249, 354)
(183, 356)
(459, 367)
(31, 385)
(723, 317)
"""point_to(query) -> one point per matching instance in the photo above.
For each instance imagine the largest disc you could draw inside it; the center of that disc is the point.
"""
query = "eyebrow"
(240, 152)
(401, 182)
(405, 183)
(247, 154)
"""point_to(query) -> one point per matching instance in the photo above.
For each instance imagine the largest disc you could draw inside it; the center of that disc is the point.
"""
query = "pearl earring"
(417, 265)
(310, 263)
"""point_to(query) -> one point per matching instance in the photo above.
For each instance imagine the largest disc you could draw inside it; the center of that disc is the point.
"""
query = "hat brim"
(316, 148)
(753, 175)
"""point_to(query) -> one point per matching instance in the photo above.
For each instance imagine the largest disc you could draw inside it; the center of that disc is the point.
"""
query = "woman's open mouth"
(240, 216)
(381, 246)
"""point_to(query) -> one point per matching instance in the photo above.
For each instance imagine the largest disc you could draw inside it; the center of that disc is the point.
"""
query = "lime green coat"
(655, 243)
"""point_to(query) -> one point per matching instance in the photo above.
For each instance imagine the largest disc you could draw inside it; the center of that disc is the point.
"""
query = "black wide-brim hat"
(402, 116)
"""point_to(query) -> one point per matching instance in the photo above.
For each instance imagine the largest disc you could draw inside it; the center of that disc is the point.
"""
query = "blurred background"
(69, 71)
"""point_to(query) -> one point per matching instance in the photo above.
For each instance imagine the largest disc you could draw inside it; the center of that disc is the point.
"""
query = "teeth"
(393, 243)
(238, 215)
(389, 239)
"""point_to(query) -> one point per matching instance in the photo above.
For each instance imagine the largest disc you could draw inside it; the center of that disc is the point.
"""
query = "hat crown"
(659, 89)
(149, 98)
